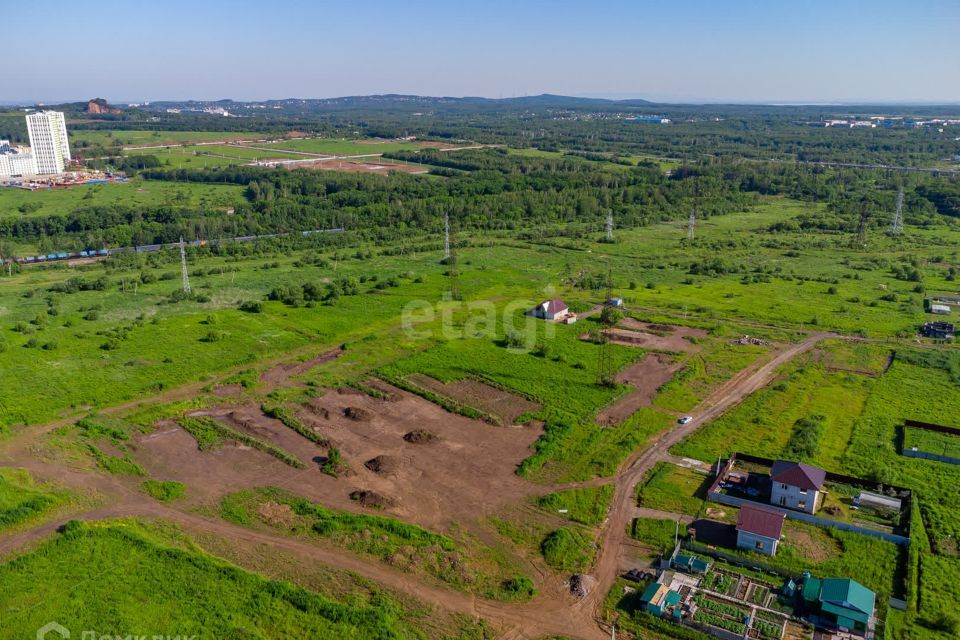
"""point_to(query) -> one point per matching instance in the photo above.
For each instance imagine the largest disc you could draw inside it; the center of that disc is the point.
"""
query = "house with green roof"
(661, 601)
(840, 602)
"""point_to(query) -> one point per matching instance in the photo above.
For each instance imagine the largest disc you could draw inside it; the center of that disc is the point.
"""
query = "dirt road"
(733, 392)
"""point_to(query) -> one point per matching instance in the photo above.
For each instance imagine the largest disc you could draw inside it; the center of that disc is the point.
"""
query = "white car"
(685, 419)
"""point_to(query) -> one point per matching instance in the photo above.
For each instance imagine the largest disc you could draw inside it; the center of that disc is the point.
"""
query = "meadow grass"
(115, 579)
(762, 425)
(673, 489)
(588, 505)
(20, 203)
(22, 501)
(457, 563)
(164, 490)
(125, 138)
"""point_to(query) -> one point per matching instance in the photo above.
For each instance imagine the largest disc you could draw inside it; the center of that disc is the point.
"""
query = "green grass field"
(123, 138)
(345, 147)
(22, 501)
(762, 425)
(20, 203)
(117, 579)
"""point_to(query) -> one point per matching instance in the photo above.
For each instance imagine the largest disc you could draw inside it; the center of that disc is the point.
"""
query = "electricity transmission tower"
(860, 240)
(896, 228)
(450, 258)
(183, 266)
(446, 235)
(605, 367)
(610, 226)
(691, 224)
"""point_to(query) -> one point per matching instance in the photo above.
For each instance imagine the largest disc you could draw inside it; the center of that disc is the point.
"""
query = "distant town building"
(48, 140)
(940, 309)
(796, 486)
(655, 119)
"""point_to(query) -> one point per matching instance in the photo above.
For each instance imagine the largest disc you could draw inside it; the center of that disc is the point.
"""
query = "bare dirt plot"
(657, 337)
(281, 372)
(646, 376)
(355, 166)
(468, 472)
(473, 393)
(436, 145)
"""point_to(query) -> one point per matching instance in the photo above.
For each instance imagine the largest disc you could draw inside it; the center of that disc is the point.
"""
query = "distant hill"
(100, 106)
(401, 102)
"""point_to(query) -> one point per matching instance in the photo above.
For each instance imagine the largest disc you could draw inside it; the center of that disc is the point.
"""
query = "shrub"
(163, 490)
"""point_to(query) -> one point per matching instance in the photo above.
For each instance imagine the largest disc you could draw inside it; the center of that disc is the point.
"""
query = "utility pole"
(183, 266)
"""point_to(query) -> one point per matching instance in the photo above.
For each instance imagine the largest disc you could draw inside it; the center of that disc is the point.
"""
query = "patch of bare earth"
(656, 337)
(282, 372)
(814, 550)
(646, 377)
(474, 393)
(276, 514)
(228, 390)
(355, 166)
(466, 472)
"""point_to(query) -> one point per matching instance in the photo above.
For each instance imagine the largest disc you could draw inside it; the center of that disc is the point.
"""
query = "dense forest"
(492, 189)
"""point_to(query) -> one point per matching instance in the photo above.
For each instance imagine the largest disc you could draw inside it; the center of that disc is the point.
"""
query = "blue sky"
(698, 50)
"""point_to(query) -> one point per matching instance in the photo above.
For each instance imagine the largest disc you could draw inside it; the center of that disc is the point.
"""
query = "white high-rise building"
(48, 139)
(16, 162)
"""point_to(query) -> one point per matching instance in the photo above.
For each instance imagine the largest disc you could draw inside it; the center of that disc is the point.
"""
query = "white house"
(554, 309)
(759, 529)
(797, 486)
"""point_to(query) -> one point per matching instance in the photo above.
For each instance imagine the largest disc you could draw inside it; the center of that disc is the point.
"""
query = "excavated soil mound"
(383, 465)
(356, 413)
(371, 499)
(420, 436)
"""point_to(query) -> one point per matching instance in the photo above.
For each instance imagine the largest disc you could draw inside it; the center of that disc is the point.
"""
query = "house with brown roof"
(555, 309)
(796, 485)
(759, 529)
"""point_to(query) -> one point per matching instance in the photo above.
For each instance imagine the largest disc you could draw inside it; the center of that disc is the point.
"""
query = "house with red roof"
(797, 486)
(555, 309)
(759, 529)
